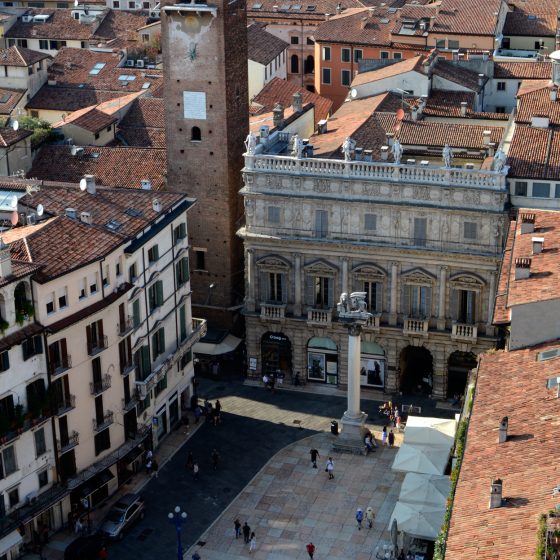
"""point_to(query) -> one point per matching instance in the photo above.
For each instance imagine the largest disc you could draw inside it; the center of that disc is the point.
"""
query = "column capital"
(296, 255)
(443, 267)
(345, 259)
(395, 263)
(354, 329)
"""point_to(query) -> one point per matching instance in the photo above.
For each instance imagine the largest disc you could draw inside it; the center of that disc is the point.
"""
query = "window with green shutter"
(4, 361)
(182, 271)
(136, 319)
(153, 254)
(158, 343)
(183, 323)
(155, 295)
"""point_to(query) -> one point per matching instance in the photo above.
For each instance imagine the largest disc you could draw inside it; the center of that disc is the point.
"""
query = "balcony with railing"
(464, 332)
(415, 326)
(131, 402)
(64, 445)
(199, 329)
(125, 327)
(100, 424)
(96, 346)
(21, 419)
(60, 366)
(98, 387)
(319, 316)
(273, 312)
(64, 405)
(373, 323)
(127, 367)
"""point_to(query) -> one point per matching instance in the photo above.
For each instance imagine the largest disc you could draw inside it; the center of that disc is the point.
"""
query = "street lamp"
(178, 518)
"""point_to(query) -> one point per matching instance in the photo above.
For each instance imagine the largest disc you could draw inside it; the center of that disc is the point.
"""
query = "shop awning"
(97, 481)
(9, 541)
(228, 344)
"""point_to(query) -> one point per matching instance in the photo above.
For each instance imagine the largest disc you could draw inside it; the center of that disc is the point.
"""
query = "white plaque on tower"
(194, 105)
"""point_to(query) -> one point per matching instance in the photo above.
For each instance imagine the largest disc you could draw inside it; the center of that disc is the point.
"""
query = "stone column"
(250, 300)
(441, 299)
(297, 284)
(345, 275)
(393, 300)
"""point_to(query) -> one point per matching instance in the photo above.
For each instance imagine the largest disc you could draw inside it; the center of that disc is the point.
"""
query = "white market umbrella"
(427, 459)
(430, 431)
(416, 520)
(425, 489)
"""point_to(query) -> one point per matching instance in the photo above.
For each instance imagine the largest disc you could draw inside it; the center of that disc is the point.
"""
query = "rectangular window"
(62, 298)
(132, 275)
(326, 76)
(102, 441)
(500, 109)
(180, 232)
(294, 40)
(95, 338)
(465, 309)
(43, 44)
(541, 190)
(397, 56)
(358, 55)
(273, 214)
(155, 295)
(469, 230)
(420, 228)
(321, 223)
(557, 191)
(373, 296)
(125, 354)
(182, 271)
(200, 260)
(370, 222)
(440, 43)
(275, 287)
(4, 361)
(384, 55)
(136, 318)
(40, 442)
(131, 5)
(43, 478)
(158, 343)
(160, 385)
(49, 303)
(13, 497)
(326, 53)
(418, 301)
(143, 363)
(345, 77)
(452, 44)
(116, 4)
(153, 254)
(345, 55)
(8, 462)
(82, 287)
(501, 86)
(32, 346)
(321, 292)
(93, 283)
(106, 280)
(520, 188)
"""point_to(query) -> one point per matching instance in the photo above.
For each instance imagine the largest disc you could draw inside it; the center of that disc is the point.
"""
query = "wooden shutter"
(330, 295)
(121, 314)
(471, 300)
(136, 312)
(100, 331)
(159, 293)
(52, 355)
(63, 351)
(161, 340)
(310, 290)
(5, 360)
(263, 286)
(88, 338)
(426, 301)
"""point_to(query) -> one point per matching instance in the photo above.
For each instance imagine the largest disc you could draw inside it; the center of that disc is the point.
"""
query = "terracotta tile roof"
(413, 64)
(537, 18)
(19, 270)
(345, 122)
(144, 124)
(534, 152)
(9, 136)
(537, 102)
(543, 284)
(274, 10)
(501, 312)
(15, 339)
(120, 24)
(19, 56)
(9, 98)
(262, 46)
(118, 167)
(143, 137)
(457, 74)
(60, 26)
(72, 66)
(467, 17)
(512, 384)
(443, 103)
(528, 86)
(523, 70)
(282, 91)
(69, 99)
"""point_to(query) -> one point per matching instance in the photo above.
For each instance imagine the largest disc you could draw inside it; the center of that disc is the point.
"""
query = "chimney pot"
(464, 105)
(297, 102)
(553, 94)
(496, 494)
(486, 135)
(91, 188)
(522, 268)
(384, 153)
(481, 79)
(278, 116)
(502, 434)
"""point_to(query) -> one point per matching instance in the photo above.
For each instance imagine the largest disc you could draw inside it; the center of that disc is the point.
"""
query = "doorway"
(276, 354)
(416, 370)
(458, 367)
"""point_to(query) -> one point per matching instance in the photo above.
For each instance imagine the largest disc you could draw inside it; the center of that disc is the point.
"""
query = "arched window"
(294, 64)
(196, 136)
(309, 66)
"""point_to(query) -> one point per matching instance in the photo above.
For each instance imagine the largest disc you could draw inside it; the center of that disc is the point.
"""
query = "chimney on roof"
(5, 260)
(502, 433)
(156, 205)
(485, 55)
(278, 116)
(486, 135)
(339, 8)
(322, 126)
(495, 494)
(527, 222)
(538, 245)
(85, 217)
(297, 102)
(553, 92)
(414, 114)
(481, 78)
(464, 105)
(522, 268)
(90, 184)
(146, 184)
(390, 139)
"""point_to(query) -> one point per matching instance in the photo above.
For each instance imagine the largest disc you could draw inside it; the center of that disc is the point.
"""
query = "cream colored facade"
(423, 243)
(16, 157)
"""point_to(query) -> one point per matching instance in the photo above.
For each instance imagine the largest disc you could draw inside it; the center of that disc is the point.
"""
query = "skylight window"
(97, 68)
(5, 97)
(126, 78)
(113, 225)
(257, 6)
(284, 7)
(296, 7)
(548, 354)
(146, 85)
(311, 8)
(133, 212)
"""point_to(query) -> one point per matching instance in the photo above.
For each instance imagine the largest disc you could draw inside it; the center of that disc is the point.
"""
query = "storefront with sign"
(322, 361)
(276, 354)
(372, 365)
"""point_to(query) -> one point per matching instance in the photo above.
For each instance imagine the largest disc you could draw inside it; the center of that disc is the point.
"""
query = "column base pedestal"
(353, 430)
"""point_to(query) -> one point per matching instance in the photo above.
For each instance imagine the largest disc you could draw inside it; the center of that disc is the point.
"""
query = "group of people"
(212, 413)
(249, 536)
(368, 517)
(387, 438)
(392, 412)
(369, 441)
(193, 466)
(270, 381)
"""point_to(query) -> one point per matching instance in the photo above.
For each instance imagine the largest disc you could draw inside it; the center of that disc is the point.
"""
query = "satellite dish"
(353, 93)
(83, 184)
(15, 125)
(400, 114)
(13, 201)
(76, 3)
(40, 210)
(14, 218)
(73, 150)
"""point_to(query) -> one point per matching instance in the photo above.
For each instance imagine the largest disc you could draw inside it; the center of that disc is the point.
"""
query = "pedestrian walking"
(370, 516)
(215, 458)
(195, 471)
(155, 467)
(197, 414)
(330, 468)
(359, 518)
(103, 554)
(237, 525)
(391, 438)
(384, 436)
(314, 456)
(397, 418)
(149, 466)
(252, 542)
(246, 532)
(310, 549)
(190, 461)
(266, 381)
(217, 413)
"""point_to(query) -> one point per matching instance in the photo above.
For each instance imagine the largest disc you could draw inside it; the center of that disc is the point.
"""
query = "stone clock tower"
(206, 119)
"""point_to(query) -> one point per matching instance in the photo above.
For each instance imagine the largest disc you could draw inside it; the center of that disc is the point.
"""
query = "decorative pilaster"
(251, 278)
(297, 284)
(345, 275)
(491, 303)
(441, 299)
(393, 300)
